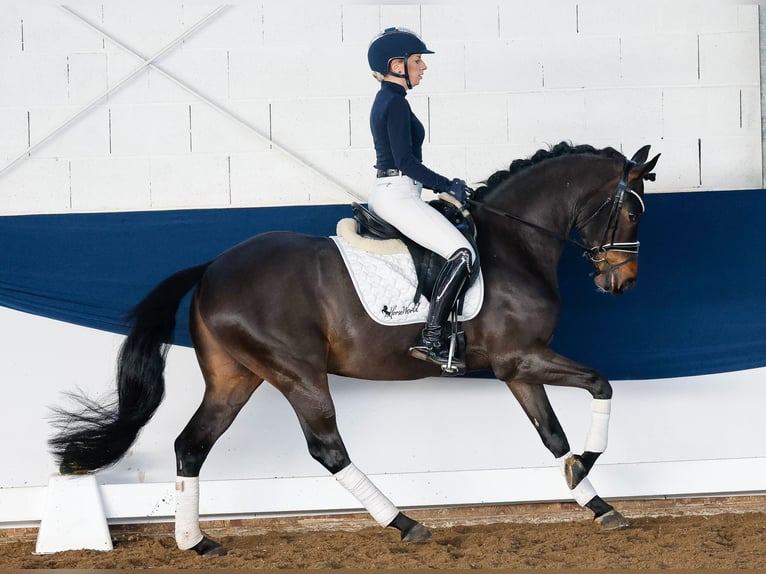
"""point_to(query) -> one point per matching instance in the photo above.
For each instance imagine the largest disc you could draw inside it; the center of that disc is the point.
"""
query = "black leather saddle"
(427, 263)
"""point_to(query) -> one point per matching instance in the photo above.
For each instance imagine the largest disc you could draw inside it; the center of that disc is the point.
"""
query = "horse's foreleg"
(316, 414)
(534, 400)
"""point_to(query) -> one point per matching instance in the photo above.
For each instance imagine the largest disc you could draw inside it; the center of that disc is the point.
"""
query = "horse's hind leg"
(534, 400)
(228, 386)
(316, 413)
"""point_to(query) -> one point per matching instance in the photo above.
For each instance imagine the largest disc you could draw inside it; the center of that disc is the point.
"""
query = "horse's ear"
(643, 170)
(640, 156)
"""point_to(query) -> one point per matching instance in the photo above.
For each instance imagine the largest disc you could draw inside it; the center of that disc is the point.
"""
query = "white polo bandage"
(584, 492)
(188, 534)
(598, 433)
(357, 483)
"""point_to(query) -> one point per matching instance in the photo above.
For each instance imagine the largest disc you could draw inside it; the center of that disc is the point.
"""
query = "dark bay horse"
(281, 307)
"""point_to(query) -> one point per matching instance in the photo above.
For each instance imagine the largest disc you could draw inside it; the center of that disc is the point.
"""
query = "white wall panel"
(582, 61)
(37, 185)
(729, 58)
(48, 30)
(88, 136)
(150, 129)
(147, 26)
(204, 71)
(680, 163)
(87, 77)
(706, 16)
(360, 23)
(538, 19)
(504, 65)
(33, 79)
(360, 125)
(612, 114)
(238, 27)
(15, 124)
(690, 111)
(601, 17)
(478, 118)
(189, 181)
(212, 131)
(659, 60)
(725, 161)
(560, 116)
(99, 184)
(311, 124)
(287, 25)
(401, 15)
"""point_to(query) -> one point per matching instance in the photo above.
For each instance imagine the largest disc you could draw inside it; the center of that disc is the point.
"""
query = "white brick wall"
(506, 79)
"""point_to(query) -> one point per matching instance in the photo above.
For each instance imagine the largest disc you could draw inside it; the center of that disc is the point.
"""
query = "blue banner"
(699, 305)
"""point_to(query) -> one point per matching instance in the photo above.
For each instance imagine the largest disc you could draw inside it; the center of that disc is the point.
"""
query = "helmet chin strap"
(406, 74)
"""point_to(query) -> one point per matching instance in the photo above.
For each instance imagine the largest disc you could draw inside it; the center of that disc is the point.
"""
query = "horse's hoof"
(417, 534)
(207, 547)
(612, 520)
(574, 471)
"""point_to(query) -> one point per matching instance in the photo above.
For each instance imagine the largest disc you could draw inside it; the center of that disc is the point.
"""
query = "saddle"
(427, 263)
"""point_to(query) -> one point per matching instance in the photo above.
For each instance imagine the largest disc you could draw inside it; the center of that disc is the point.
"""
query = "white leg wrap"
(599, 425)
(584, 491)
(357, 483)
(188, 533)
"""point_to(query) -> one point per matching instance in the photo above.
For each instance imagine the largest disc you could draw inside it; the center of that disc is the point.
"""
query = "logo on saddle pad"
(395, 310)
(385, 280)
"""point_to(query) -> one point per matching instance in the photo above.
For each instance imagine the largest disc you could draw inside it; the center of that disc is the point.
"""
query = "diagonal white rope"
(217, 107)
(111, 90)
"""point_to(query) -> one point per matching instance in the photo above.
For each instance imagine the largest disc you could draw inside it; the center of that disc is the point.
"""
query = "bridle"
(595, 254)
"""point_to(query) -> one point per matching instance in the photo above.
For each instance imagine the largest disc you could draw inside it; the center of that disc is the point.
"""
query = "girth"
(427, 263)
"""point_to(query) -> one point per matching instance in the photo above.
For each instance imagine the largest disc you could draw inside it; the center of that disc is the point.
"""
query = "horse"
(281, 307)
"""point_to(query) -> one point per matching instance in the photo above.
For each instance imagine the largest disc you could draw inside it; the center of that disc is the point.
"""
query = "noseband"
(595, 254)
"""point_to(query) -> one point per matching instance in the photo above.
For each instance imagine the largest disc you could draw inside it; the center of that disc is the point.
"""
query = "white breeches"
(397, 200)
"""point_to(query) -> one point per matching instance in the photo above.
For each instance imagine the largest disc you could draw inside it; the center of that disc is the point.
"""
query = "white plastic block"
(190, 181)
(150, 129)
(253, 74)
(360, 23)
(469, 119)
(14, 137)
(110, 184)
(48, 28)
(538, 19)
(87, 135)
(603, 17)
(285, 23)
(444, 23)
(214, 132)
(504, 65)
(203, 71)
(87, 78)
(702, 16)
(540, 118)
(581, 62)
(611, 113)
(750, 115)
(35, 185)
(74, 517)
(733, 162)
(238, 27)
(33, 79)
(145, 26)
(11, 30)
(678, 168)
(661, 60)
(687, 111)
(317, 123)
(272, 178)
(730, 58)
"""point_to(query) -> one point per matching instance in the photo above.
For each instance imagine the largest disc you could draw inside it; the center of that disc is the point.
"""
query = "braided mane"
(560, 149)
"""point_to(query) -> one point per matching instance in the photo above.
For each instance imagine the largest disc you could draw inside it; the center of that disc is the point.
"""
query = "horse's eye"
(633, 217)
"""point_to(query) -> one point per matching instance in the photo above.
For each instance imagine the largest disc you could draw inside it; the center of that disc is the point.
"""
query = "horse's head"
(611, 231)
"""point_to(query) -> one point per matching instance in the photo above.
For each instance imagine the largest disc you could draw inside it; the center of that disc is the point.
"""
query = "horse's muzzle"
(616, 274)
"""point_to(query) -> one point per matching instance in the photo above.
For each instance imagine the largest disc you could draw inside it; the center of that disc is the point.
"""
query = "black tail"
(95, 436)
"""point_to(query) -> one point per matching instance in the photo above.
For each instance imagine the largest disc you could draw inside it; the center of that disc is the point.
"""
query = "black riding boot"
(432, 345)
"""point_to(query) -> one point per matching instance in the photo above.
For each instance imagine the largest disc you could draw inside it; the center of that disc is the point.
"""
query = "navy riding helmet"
(392, 44)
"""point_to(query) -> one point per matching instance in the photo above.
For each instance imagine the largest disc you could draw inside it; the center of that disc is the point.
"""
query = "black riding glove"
(459, 190)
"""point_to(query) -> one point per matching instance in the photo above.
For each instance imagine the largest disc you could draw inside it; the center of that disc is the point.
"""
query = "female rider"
(395, 57)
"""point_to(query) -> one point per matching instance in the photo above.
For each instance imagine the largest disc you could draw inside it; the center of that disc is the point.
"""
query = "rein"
(591, 252)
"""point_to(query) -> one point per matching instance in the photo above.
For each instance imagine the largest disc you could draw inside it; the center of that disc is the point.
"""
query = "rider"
(395, 57)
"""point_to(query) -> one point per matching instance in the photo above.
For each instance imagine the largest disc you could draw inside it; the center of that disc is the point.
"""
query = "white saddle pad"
(386, 284)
